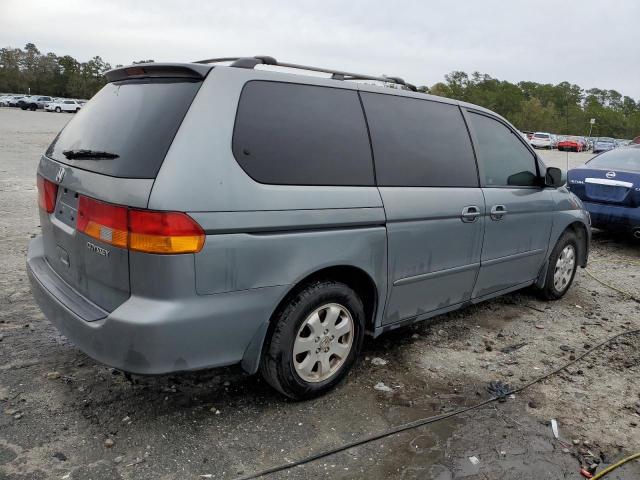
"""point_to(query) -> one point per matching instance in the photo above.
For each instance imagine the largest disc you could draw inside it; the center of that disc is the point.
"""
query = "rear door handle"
(498, 212)
(470, 213)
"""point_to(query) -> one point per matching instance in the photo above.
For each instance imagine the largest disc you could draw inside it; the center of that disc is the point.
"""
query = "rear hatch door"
(111, 151)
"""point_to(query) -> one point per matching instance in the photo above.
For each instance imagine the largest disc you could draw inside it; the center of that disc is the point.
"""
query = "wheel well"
(354, 277)
(581, 232)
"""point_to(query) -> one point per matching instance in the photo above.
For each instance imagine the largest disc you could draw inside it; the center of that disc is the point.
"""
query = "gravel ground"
(62, 415)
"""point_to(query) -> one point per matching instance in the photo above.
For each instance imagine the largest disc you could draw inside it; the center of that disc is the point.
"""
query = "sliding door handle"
(498, 212)
(470, 213)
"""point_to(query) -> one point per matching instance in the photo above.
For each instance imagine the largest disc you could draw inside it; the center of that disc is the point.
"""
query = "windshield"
(618, 159)
(541, 135)
(133, 119)
(605, 140)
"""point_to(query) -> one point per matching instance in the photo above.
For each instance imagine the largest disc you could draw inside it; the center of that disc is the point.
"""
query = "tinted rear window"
(419, 142)
(541, 135)
(618, 159)
(302, 135)
(135, 119)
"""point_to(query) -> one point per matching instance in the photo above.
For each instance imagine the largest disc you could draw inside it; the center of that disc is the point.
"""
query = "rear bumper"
(613, 216)
(157, 335)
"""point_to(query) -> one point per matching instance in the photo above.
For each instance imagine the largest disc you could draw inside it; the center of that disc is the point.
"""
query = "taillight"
(140, 230)
(47, 192)
(164, 232)
(103, 221)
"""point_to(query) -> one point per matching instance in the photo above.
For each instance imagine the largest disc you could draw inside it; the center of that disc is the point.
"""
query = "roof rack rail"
(251, 62)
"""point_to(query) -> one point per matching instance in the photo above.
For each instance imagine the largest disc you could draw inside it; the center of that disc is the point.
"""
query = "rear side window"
(302, 135)
(134, 119)
(419, 142)
(505, 159)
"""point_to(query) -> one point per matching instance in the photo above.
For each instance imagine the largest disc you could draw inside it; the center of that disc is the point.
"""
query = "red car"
(572, 144)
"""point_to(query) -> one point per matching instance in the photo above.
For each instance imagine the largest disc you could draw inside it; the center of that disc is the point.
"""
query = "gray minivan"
(198, 215)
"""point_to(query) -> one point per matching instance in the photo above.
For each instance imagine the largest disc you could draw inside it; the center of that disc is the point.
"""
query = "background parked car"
(608, 186)
(541, 140)
(63, 105)
(35, 102)
(572, 144)
(603, 144)
(15, 100)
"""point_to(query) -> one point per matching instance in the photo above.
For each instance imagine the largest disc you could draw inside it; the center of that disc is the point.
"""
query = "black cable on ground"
(428, 420)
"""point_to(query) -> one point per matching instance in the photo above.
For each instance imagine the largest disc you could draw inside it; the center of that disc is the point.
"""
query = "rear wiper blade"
(89, 154)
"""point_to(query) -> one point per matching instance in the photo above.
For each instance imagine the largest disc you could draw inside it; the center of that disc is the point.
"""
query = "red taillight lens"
(103, 221)
(47, 192)
(140, 230)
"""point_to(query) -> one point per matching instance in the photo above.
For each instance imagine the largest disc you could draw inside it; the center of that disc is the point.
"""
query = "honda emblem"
(60, 175)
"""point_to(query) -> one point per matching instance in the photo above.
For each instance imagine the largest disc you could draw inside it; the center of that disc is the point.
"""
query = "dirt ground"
(64, 416)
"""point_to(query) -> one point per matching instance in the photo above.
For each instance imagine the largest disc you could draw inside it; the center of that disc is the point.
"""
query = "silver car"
(198, 215)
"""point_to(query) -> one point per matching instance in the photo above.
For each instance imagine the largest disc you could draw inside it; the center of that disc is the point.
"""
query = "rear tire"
(561, 271)
(315, 340)
(58, 110)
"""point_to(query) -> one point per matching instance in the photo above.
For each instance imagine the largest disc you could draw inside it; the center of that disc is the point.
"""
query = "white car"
(63, 105)
(541, 140)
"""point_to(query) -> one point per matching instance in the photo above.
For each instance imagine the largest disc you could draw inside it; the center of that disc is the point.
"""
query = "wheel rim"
(323, 343)
(564, 268)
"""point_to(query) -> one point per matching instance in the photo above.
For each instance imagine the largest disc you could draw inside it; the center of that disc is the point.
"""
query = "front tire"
(563, 263)
(58, 110)
(315, 340)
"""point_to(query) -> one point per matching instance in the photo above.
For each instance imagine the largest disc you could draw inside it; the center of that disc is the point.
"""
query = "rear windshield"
(605, 140)
(133, 119)
(541, 135)
(618, 159)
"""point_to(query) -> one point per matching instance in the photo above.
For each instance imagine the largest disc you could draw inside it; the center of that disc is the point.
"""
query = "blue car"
(609, 187)
(603, 144)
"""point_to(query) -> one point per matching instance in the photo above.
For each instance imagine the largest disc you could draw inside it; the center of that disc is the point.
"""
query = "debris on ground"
(378, 361)
(381, 387)
(513, 348)
(499, 389)
(554, 428)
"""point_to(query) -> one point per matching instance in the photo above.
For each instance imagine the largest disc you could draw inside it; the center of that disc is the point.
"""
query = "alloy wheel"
(323, 343)
(564, 268)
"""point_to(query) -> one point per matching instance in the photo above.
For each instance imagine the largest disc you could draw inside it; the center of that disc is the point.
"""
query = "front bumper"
(613, 216)
(156, 335)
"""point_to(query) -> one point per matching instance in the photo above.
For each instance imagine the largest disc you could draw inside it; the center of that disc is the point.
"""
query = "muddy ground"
(60, 410)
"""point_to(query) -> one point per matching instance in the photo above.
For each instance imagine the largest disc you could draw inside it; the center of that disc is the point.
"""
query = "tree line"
(564, 108)
(28, 70)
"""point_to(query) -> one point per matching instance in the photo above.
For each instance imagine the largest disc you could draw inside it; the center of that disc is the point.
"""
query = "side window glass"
(506, 161)
(419, 142)
(292, 134)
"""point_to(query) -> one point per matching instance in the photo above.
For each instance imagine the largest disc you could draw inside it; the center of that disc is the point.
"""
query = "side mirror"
(554, 177)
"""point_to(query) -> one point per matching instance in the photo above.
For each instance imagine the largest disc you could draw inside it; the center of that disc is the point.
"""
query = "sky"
(589, 43)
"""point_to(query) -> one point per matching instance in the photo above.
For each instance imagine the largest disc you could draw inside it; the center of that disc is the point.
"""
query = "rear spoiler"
(159, 70)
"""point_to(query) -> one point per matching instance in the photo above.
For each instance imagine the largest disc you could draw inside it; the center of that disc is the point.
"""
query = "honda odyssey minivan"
(198, 215)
